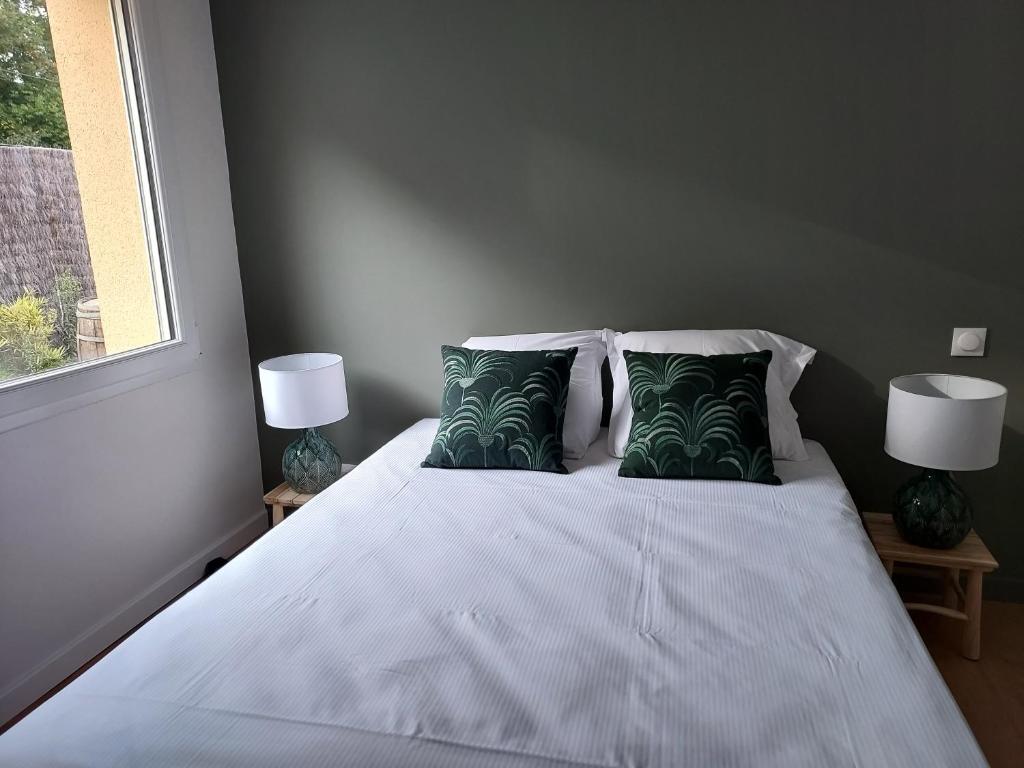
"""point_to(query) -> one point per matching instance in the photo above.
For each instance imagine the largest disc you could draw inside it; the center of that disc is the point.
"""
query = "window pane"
(80, 270)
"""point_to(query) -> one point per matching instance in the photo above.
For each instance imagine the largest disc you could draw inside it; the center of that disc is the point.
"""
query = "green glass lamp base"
(933, 511)
(311, 462)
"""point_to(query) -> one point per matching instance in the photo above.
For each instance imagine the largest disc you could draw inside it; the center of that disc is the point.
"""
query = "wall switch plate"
(968, 342)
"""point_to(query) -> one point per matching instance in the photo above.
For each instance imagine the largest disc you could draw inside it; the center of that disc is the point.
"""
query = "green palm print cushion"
(502, 410)
(700, 417)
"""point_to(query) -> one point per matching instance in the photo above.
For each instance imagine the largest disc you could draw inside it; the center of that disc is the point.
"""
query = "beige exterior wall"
(94, 103)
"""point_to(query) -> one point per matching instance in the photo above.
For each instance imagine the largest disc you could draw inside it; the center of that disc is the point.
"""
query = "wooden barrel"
(90, 330)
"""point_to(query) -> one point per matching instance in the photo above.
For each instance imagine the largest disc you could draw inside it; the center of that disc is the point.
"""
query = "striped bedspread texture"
(424, 617)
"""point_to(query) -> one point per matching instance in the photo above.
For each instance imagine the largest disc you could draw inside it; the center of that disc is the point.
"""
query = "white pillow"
(583, 410)
(789, 358)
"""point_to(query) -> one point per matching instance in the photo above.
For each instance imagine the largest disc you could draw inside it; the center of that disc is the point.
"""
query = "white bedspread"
(432, 617)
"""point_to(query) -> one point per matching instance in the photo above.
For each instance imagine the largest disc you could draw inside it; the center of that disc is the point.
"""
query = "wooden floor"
(990, 691)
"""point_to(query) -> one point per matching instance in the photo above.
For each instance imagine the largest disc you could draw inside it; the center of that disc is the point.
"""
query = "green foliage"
(694, 429)
(657, 374)
(537, 452)
(748, 395)
(752, 465)
(465, 367)
(67, 290)
(26, 327)
(31, 107)
(488, 420)
(458, 452)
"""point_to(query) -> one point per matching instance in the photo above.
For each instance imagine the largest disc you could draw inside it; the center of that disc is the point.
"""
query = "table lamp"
(943, 424)
(304, 392)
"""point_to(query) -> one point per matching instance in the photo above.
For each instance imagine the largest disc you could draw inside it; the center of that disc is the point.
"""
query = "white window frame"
(29, 399)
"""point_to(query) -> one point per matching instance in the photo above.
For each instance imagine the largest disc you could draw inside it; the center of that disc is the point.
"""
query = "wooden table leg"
(278, 514)
(972, 607)
(952, 599)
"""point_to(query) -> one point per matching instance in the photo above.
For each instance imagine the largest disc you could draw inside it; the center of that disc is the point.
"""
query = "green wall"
(847, 173)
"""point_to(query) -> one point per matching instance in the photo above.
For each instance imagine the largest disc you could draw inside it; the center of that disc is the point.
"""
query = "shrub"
(68, 291)
(26, 328)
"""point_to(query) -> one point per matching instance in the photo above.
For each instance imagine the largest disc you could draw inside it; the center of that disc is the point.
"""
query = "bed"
(424, 617)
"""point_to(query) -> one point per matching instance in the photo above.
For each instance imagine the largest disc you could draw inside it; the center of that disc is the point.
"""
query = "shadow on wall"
(453, 169)
(826, 397)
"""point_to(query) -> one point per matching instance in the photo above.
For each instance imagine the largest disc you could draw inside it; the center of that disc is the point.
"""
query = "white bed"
(424, 617)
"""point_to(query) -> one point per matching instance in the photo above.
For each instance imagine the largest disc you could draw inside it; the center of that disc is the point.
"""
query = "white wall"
(108, 511)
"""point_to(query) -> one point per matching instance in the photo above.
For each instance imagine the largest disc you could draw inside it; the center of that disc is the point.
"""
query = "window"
(83, 278)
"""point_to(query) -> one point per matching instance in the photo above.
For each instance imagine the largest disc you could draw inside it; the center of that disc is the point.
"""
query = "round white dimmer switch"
(969, 342)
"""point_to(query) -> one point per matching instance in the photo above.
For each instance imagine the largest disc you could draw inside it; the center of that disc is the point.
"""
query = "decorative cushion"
(502, 409)
(789, 358)
(586, 399)
(699, 417)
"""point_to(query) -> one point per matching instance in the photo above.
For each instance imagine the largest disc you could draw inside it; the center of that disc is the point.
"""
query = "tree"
(31, 107)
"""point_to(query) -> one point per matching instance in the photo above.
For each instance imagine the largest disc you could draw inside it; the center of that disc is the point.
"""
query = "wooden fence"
(41, 227)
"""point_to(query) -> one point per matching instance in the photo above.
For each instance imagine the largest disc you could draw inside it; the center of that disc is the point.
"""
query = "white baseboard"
(27, 688)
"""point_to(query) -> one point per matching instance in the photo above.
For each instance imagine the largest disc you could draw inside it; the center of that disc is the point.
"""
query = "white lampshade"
(946, 422)
(305, 390)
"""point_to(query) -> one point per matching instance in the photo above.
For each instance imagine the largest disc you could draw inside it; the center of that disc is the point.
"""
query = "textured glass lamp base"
(311, 462)
(933, 511)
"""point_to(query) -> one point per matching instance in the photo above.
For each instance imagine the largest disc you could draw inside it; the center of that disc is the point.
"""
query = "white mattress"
(431, 617)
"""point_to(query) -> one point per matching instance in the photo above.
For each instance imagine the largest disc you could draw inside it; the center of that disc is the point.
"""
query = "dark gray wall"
(847, 173)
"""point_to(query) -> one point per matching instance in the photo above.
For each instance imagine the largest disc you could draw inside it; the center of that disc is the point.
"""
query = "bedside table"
(971, 555)
(285, 497)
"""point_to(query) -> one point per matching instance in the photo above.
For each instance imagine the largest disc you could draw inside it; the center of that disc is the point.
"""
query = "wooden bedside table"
(971, 555)
(285, 497)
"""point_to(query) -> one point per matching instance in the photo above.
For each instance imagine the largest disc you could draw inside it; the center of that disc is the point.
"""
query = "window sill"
(78, 386)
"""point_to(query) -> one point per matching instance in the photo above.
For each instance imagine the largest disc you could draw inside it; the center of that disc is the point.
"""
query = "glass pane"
(80, 270)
